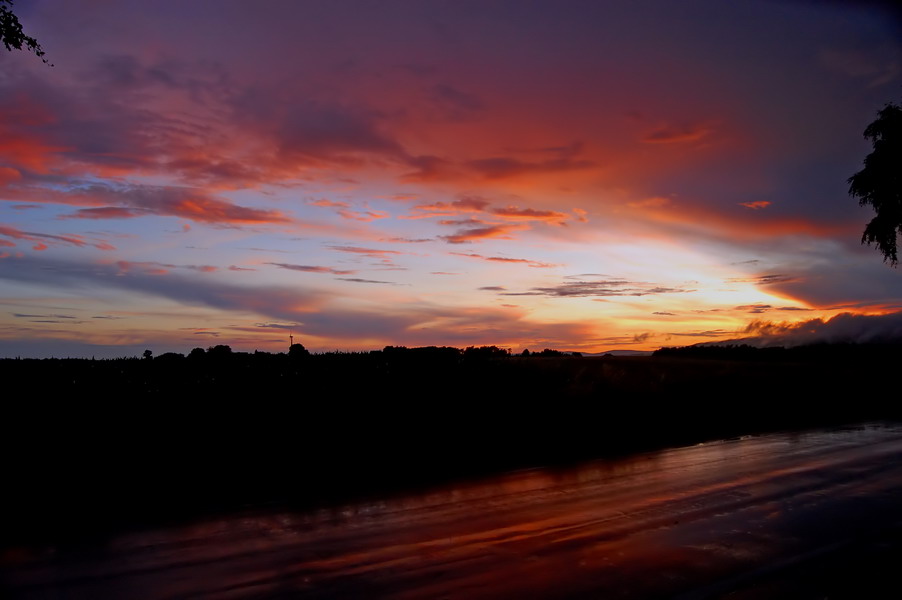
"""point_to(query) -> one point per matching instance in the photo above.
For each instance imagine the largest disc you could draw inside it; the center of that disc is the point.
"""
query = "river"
(799, 515)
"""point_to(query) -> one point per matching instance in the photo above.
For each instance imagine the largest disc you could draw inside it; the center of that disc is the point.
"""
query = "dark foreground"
(104, 447)
(785, 515)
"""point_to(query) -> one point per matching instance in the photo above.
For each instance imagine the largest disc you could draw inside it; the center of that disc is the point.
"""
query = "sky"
(578, 175)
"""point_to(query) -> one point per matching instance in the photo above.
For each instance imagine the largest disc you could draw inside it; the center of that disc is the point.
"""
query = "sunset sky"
(586, 176)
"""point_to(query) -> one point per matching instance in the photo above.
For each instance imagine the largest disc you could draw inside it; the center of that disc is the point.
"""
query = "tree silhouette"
(879, 183)
(296, 351)
(11, 33)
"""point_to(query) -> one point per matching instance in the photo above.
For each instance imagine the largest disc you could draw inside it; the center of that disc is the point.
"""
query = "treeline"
(418, 353)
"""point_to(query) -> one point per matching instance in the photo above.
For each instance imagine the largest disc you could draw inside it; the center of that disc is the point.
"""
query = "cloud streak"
(504, 259)
(311, 269)
(600, 288)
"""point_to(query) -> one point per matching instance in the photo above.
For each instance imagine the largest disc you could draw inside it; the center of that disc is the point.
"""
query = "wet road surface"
(799, 515)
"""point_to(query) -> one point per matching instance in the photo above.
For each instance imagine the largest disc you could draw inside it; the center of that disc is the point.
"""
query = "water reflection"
(652, 524)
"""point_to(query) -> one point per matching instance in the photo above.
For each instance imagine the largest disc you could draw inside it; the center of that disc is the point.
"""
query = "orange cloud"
(529, 214)
(27, 152)
(757, 204)
(365, 216)
(328, 203)
(211, 210)
(480, 233)
(467, 204)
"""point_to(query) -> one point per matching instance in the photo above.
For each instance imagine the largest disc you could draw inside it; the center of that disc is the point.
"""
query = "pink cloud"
(503, 259)
(365, 216)
(42, 240)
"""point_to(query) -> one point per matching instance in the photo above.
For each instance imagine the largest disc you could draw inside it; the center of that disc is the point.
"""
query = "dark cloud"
(368, 252)
(272, 301)
(456, 105)
(158, 268)
(106, 212)
(309, 133)
(708, 333)
(311, 269)
(763, 279)
(530, 214)
(357, 280)
(403, 240)
(755, 308)
(288, 326)
(600, 288)
(861, 282)
(845, 328)
(492, 288)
